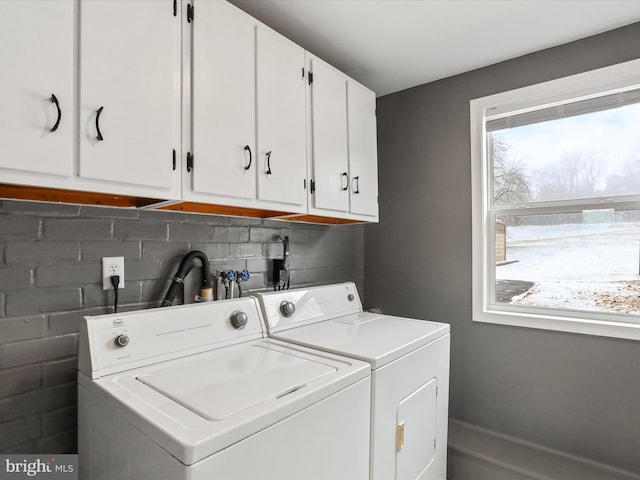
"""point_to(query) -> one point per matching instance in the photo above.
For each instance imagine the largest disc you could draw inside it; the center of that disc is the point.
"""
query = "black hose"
(186, 265)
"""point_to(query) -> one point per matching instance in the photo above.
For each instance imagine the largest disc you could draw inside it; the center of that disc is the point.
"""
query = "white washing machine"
(410, 372)
(197, 392)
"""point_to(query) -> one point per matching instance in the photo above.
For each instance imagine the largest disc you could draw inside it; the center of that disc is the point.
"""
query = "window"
(556, 204)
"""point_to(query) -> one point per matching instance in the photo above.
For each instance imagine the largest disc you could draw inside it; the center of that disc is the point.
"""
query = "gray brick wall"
(50, 276)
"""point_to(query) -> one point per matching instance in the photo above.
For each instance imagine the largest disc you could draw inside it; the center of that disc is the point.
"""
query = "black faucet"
(186, 265)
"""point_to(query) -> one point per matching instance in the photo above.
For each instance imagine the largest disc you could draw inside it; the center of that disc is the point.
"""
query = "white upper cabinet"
(330, 164)
(189, 101)
(343, 165)
(282, 143)
(223, 103)
(363, 149)
(248, 113)
(36, 78)
(129, 93)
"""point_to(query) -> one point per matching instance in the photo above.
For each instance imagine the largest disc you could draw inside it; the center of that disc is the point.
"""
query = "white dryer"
(410, 371)
(197, 393)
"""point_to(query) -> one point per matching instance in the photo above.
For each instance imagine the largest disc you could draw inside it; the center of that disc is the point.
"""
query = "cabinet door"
(223, 101)
(37, 63)
(281, 119)
(129, 84)
(329, 130)
(363, 157)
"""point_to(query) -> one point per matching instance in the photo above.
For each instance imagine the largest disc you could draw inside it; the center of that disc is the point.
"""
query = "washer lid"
(377, 339)
(197, 405)
(223, 384)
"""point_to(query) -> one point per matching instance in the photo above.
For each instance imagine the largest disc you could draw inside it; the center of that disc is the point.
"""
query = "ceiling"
(391, 45)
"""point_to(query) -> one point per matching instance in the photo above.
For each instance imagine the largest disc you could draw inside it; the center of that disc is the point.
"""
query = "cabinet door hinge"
(312, 185)
(310, 78)
(190, 12)
(174, 159)
(175, 8)
(189, 162)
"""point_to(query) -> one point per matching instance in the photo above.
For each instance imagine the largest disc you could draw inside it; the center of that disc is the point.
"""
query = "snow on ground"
(579, 266)
(618, 297)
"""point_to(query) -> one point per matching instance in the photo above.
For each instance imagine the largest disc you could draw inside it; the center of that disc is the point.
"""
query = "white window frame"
(586, 85)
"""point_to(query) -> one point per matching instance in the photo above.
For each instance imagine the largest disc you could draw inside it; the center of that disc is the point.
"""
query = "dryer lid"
(374, 338)
(222, 384)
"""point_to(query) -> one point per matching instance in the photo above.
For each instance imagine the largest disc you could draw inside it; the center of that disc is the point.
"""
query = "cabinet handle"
(399, 436)
(99, 137)
(55, 100)
(356, 180)
(247, 148)
(189, 162)
(190, 12)
(346, 185)
(269, 162)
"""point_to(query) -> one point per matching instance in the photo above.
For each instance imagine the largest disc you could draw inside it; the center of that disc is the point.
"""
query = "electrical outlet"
(112, 266)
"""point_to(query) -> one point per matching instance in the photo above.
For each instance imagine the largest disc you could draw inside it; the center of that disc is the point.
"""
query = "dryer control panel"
(294, 308)
(116, 342)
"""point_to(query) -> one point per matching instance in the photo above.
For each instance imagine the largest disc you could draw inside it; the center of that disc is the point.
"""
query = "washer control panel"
(116, 342)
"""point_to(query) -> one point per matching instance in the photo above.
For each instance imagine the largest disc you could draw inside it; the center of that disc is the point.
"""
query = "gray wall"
(575, 393)
(50, 275)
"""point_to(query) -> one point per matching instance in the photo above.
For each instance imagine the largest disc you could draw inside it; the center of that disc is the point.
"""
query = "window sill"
(586, 326)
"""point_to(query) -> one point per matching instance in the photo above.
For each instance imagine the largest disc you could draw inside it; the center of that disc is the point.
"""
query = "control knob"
(287, 309)
(239, 320)
(122, 340)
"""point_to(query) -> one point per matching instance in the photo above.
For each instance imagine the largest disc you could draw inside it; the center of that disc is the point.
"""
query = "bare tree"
(510, 179)
(593, 167)
(626, 182)
(575, 175)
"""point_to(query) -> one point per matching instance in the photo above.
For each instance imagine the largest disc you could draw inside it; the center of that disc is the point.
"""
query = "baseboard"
(479, 454)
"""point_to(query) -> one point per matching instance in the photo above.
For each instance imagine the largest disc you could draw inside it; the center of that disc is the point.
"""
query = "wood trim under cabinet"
(321, 220)
(54, 195)
(39, 194)
(194, 207)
